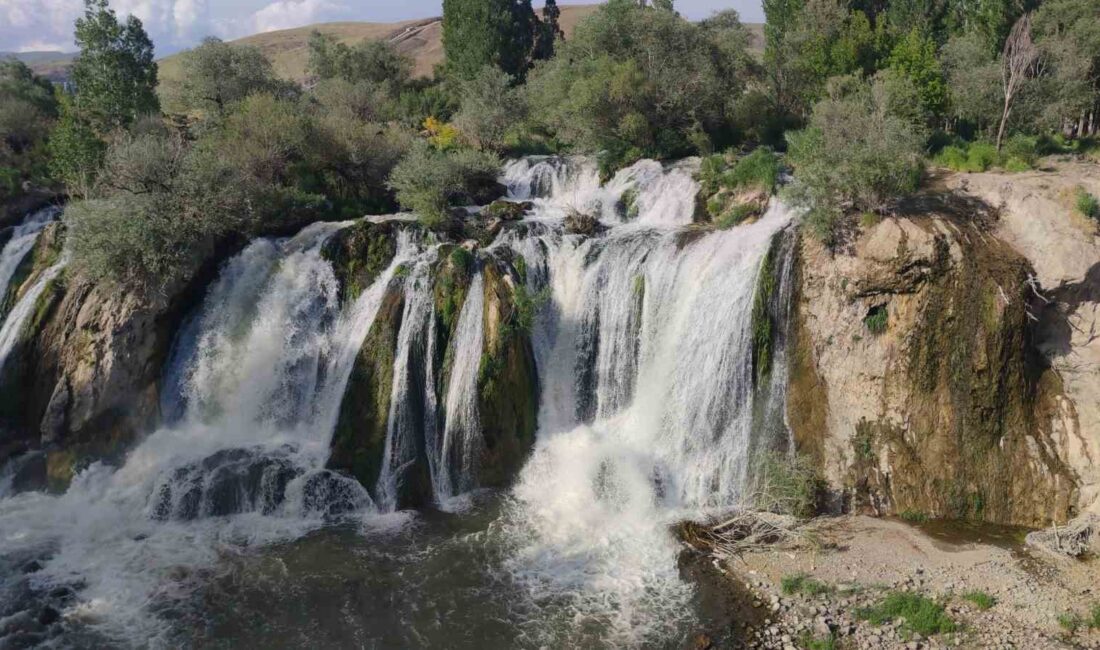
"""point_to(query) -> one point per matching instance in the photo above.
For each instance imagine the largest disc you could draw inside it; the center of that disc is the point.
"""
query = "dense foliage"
(28, 110)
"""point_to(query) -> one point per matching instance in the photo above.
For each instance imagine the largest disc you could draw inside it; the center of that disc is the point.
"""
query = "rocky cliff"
(942, 361)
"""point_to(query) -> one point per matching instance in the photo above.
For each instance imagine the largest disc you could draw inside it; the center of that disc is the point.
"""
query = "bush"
(1087, 204)
(855, 154)
(634, 81)
(490, 110)
(428, 181)
(758, 170)
(913, 516)
(981, 599)
(921, 615)
(1020, 153)
(216, 75)
(786, 484)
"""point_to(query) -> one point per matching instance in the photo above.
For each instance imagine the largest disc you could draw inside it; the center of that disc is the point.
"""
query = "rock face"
(82, 383)
(917, 378)
(1038, 218)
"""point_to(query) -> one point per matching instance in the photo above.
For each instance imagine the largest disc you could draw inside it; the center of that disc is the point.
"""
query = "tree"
(490, 108)
(504, 33)
(28, 109)
(635, 81)
(1017, 66)
(428, 181)
(914, 56)
(114, 74)
(973, 79)
(216, 75)
(1068, 34)
(862, 149)
(374, 61)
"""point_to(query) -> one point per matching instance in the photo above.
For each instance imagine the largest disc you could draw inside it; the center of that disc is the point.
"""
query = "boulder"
(583, 224)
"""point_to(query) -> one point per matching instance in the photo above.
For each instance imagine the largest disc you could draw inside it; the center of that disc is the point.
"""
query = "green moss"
(763, 322)
(914, 516)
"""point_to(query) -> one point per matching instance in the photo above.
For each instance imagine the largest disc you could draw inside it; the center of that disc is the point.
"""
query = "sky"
(29, 25)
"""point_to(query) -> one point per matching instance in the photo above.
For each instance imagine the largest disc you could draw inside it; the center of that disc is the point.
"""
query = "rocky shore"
(850, 582)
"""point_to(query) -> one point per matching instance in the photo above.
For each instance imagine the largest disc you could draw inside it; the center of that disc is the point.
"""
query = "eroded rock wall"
(916, 378)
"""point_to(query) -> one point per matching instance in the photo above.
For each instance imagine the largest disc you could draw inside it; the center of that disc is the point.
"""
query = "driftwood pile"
(737, 533)
(1079, 538)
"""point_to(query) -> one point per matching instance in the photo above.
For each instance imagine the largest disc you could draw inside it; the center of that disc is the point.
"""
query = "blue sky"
(27, 25)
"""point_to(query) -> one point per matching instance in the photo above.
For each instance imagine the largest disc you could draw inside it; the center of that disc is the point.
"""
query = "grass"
(913, 516)
(1087, 204)
(1070, 621)
(759, 170)
(877, 319)
(734, 216)
(801, 583)
(810, 642)
(1094, 616)
(1019, 154)
(921, 615)
(980, 598)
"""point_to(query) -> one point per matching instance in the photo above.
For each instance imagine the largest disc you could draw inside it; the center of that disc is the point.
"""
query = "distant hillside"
(422, 40)
(52, 65)
(288, 49)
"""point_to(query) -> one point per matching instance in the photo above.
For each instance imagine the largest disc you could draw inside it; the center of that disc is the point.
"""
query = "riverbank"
(981, 587)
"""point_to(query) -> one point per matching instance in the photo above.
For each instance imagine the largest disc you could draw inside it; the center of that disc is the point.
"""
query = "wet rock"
(583, 224)
(228, 482)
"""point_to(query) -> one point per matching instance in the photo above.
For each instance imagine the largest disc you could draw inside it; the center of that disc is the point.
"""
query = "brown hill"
(422, 40)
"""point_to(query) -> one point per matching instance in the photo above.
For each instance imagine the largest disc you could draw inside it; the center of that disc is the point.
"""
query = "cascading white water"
(21, 242)
(257, 375)
(664, 196)
(462, 428)
(646, 417)
(404, 421)
(17, 318)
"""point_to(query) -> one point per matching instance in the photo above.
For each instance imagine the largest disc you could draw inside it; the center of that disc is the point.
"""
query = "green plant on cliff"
(763, 326)
(877, 319)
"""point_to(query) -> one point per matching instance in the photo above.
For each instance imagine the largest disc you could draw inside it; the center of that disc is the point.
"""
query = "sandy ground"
(862, 559)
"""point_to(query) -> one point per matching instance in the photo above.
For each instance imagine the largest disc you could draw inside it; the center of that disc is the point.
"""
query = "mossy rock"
(507, 384)
(507, 210)
(360, 253)
(359, 441)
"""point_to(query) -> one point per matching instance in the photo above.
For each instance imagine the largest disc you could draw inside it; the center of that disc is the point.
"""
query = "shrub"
(922, 615)
(855, 153)
(786, 484)
(1070, 621)
(758, 170)
(981, 156)
(980, 599)
(428, 181)
(1087, 204)
(952, 157)
(490, 110)
(215, 75)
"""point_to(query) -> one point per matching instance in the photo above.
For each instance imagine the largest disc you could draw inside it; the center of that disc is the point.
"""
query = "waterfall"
(647, 411)
(251, 390)
(647, 193)
(21, 242)
(462, 429)
(405, 420)
(17, 318)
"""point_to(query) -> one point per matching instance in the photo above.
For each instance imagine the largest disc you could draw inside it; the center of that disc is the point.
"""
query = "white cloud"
(285, 14)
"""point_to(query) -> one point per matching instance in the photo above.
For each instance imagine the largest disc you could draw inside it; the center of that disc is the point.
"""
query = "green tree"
(503, 33)
(373, 61)
(914, 57)
(28, 109)
(114, 74)
(490, 108)
(635, 81)
(973, 80)
(861, 150)
(216, 75)
(428, 181)
(1068, 34)
(75, 150)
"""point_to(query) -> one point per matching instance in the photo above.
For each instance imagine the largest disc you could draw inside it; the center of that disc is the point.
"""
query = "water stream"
(225, 516)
